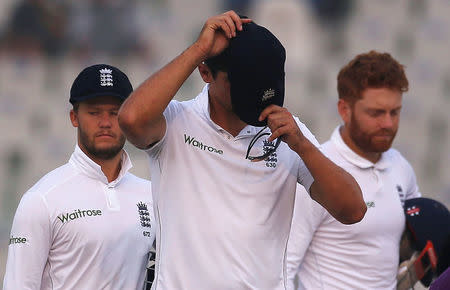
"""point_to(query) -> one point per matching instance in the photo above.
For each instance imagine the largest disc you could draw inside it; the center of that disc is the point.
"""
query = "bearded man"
(324, 253)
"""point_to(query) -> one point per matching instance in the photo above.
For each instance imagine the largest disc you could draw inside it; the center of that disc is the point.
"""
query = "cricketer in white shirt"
(193, 215)
(222, 220)
(325, 254)
(75, 230)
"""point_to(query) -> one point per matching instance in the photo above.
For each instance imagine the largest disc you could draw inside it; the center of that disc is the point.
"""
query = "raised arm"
(141, 115)
(335, 189)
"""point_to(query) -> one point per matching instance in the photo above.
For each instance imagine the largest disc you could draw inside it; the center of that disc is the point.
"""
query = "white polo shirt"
(223, 221)
(365, 255)
(75, 230)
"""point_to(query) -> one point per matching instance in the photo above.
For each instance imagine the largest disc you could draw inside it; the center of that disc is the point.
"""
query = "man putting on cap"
(88, 223)
(224, 220)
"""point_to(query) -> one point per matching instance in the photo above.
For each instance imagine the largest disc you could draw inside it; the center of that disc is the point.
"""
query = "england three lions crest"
(106, 78)
(144, 215)
(272, 159)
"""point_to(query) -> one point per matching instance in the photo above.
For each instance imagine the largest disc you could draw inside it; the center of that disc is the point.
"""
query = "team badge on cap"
(106, 78)
(429, 222)
(413, 211)
(268, 94)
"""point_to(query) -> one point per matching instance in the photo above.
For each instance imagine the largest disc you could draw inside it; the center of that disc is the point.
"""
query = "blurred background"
(44, 44)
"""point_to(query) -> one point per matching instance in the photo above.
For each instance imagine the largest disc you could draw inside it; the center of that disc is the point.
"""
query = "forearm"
(334, 188)
(141, 115)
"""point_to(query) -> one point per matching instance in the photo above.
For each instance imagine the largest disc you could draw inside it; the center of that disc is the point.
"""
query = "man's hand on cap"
(217, 32)
(282, 124)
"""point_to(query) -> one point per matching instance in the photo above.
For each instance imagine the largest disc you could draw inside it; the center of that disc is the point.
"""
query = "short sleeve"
(170, 114)
(307, 133)
(304, 177)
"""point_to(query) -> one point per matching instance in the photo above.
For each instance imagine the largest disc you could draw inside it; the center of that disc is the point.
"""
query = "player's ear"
(345, 110)
(205, 73)
(74, 118)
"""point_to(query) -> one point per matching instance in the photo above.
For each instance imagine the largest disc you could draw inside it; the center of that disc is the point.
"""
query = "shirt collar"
(202, 102)
(354, 158)
(88, 167)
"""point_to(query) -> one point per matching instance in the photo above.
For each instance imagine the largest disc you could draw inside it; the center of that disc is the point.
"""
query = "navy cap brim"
(102, 94)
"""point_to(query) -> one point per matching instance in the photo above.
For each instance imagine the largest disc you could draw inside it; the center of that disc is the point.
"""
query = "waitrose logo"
(17, 240)
(192, 141)
(78, 213)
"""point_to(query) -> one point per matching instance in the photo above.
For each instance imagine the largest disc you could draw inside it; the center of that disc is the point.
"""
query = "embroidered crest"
(268, 94)
(144, 215)
(106, 79)
(413, 211)
(272, 160)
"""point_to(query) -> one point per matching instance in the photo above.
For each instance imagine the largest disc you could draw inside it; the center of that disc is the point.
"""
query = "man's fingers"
(228, 22)
(278, 133)
(269, 110)
(231, 25)
(225, 28)
(237, 20)
(233, 21)
(278, 126)
(217, 31)
(280, 122)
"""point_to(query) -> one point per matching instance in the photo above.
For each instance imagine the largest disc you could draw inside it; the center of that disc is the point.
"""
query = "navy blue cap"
(100, 80)
(427, 219)
(256, 72)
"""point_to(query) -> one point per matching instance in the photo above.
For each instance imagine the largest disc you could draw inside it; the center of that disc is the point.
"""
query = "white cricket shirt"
(223, 221)
(364, 255)
(75, 230)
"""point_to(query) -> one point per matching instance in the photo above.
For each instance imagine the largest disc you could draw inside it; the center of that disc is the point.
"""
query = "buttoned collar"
(88, 167)
(202, 105)
(354, 158)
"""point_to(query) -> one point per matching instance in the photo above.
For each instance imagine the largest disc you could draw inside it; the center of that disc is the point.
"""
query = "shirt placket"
(377, 175)
(111, 197)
